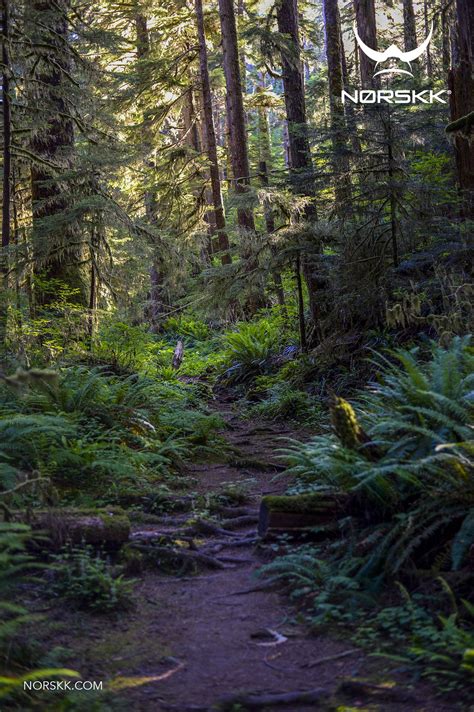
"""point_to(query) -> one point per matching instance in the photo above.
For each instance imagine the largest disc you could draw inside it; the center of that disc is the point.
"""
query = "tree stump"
(178, 355)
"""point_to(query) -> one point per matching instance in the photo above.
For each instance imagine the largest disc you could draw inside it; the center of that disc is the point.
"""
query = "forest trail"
(214, 624)
(202, 638)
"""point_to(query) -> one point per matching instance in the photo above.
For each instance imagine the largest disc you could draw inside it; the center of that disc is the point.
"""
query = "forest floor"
(203, 638)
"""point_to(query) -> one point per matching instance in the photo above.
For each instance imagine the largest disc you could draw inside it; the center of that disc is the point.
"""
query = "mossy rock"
(108, 526)
(292, 514)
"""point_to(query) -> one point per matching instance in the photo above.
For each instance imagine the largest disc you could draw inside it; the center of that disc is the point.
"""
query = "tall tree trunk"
(6, 192)
(461, 82)
(156, 301)
(367, 29)
(342, 181)
(6, 127)
(409, 26)
(349, 109)
(446, 36)
(264, 166)
(222, 241)
(191, 128)
(236, 114)
(58, 243)
(429, 61)
(239, 152)
(301, 165)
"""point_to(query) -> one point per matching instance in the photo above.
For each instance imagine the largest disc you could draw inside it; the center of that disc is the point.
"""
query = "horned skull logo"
(393, 52)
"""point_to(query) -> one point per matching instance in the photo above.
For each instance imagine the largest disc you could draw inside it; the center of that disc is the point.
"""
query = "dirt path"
(201, 638)
(213, 630)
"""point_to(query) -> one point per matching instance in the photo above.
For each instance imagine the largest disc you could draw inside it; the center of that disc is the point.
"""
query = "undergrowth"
(401, 457)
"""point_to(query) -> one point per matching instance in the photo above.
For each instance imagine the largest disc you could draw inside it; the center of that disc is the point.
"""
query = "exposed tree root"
(201, 526)
(238, 522)
(330, 658)
(358, 687)
(232, 512)
(185, 556)
(256, 701)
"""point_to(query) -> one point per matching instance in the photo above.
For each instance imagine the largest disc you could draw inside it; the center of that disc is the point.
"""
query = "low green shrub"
(282, 402)
(192, 329)
(249, 350)
(84, 578)
(93, 430)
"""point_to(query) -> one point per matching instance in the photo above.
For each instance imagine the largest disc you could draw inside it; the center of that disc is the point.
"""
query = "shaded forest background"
(158, 156)
(192, 217)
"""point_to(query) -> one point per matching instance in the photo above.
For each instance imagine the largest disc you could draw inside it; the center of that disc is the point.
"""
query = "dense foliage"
(403, 456)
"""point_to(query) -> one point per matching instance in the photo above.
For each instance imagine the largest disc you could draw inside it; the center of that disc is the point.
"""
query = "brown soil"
(205, 630)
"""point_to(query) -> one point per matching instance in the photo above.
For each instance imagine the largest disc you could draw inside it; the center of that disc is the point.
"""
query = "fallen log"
(108, 526)
(299, 513)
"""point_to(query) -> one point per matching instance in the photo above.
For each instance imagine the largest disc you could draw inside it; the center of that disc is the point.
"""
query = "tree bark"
(264, 166)
(236, 114)
(239, 153)
(6, 191)
(222, 240)
(349, 109)
(6, 131)
(429, 61)
(461, 82)
(58, 244)
(301, 165)
(409, 26)
(367, 29)
(342, 181)
(446, 13)
(155, 305)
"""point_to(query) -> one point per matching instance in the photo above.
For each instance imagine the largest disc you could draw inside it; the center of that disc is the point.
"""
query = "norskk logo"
(397, 96)
(393, 52)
